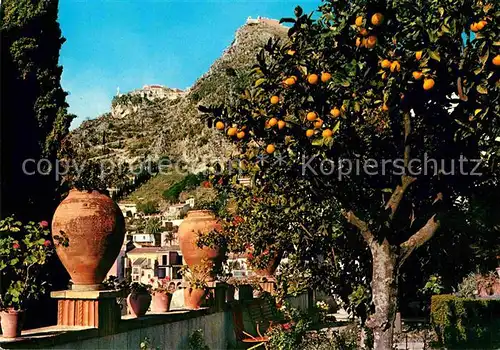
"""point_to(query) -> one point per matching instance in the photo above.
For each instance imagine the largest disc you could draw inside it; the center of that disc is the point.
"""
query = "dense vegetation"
(34, 111)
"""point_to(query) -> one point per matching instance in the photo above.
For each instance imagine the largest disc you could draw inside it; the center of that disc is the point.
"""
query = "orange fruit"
(480, 25)
(363, 42)
(312, 116)
(496, 60)
(325, 77)
(418, 55)
(240, 135)
(371, 41)
(232, 131)
(385, 108)
(281, 124)
(309, 132)
(473, 27)
(275, 99)
(270, 148)
(395, 66)
(417, 75)
(290, 81)
(363, 32)
(385, 64)
(335, 112)
(377, 19)
(327, 133)
(358, 42)
(312, 79)
(318, 124)
(291, 52)
(359, 21)
(273, 122)
(219, 125)
(428, 84)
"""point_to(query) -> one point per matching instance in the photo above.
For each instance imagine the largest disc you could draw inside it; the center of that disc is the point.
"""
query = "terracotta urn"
(161, 301)
(199, 221)
(12, 323)
(194, 297)
(95, 229)
(138, 303)
(271, 267)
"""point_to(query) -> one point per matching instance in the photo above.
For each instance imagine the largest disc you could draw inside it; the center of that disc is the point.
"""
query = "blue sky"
(130, 43)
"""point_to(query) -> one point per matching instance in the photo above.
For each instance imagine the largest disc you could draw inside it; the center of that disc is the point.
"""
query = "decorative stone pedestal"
(97, 309)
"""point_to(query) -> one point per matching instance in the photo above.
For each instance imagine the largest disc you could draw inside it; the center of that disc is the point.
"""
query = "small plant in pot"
(264, 262)
(139, 298)
(196, 292)
(161, 295)
(24, 249)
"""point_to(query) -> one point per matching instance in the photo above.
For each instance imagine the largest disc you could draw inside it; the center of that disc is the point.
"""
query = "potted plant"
(196, 292)
(162, 296)
(485, 284)
(264, 263)
(139, 298)
(201, 237)
(94, 225)
(24, 249)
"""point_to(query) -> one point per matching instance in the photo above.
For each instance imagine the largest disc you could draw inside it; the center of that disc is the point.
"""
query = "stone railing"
(91, 320)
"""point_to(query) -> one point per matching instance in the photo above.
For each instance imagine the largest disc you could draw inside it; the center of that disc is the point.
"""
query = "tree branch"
(418, 238)
(361, 225)
(406, 180)
(398, 194)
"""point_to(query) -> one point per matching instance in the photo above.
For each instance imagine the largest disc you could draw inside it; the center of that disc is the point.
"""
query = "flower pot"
(199, 221)
(12, 323)
(138, 303)
(271, 267)
(194, 298)
(95, 229)
(496, 288)
(161, 301)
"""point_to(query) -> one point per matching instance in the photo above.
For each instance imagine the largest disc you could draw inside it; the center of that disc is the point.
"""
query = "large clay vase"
(138, 303)
(95, 229)
(161, 302)
(12, 323)
(194, 298)
(196, 222)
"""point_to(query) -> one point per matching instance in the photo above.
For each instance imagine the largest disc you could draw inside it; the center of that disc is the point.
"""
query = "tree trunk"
(384, 295)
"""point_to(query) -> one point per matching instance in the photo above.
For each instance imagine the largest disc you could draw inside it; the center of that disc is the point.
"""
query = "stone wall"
(217, 329)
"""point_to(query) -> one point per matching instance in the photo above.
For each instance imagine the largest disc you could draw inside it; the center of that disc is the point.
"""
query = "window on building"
(164, 260)
(142, 273)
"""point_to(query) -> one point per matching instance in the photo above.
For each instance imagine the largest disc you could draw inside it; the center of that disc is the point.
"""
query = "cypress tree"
(34, 117)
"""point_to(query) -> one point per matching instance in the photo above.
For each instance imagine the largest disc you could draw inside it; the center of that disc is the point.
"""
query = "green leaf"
(318, 142)
(435, 55)
(259, 81)
(336, 127)
(482, 89)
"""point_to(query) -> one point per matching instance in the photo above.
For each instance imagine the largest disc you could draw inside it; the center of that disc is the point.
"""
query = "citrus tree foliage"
(368, 88)
(34, 111)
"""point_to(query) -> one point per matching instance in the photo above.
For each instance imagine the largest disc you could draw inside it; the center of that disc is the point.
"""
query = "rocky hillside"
(160, 122)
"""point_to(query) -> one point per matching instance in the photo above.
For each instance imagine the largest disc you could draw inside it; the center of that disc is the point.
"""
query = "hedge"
(466, 323)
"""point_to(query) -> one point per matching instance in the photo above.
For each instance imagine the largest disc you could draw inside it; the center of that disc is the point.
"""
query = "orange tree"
(375, 114)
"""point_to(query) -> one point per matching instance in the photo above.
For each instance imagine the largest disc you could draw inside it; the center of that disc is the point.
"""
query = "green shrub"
(188, 182)
(466, 323)
(148, 208)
